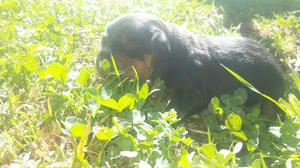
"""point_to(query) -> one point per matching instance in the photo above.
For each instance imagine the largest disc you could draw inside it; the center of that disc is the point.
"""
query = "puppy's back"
(249, 59)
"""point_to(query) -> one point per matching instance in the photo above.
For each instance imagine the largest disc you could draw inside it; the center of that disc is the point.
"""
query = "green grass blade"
(115, 65)
(250, 86)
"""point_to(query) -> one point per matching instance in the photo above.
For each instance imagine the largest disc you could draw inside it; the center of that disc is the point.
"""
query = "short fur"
(190, 64)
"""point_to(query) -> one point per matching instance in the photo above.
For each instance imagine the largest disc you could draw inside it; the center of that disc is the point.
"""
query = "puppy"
(189, 64)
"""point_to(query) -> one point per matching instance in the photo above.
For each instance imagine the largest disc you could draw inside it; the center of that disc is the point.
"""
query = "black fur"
(190, 64)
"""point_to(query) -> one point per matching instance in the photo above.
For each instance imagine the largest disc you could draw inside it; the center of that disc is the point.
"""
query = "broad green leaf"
(252, 145)
(82, 131)
(144, 92)
(175, 139)
(126, 101)
(290, 140)
(241, 135)
(147, 128)
(295, 76)
(58, 72)
(226, 99)
(253, 113)
(10, 4)
(294, 101)
(171, 117)
(220, 158)
(2, 61)
(110, 103)
(78, 130)
(31, 49)
(184, 161)
(68, 58)
(83, 77)
(256, 164)
(227, 155)
(262, 161)
(288, 127)
(215, 106)
(105, 65)
(125, 144)
(42, 73)
(237, 110)
(240, 96)
(233, 122)
(105, 134)
(18, 67)
(49, 19)
(209, 150)
(166, 127)
(187, 141)
(70, 38)
(30, 63)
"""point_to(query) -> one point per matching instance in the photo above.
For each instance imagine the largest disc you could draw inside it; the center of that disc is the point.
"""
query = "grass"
(55, 112)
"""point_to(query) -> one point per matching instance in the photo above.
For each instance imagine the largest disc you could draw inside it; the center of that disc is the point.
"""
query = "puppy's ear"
(160, 48)
(160, 44)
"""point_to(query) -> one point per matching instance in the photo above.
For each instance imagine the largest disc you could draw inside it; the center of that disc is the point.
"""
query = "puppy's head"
(138, 40)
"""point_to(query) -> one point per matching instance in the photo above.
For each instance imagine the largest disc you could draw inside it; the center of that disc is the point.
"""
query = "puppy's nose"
(103, 54)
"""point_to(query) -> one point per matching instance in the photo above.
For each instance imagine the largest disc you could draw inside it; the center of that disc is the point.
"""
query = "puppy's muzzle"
(104, 53)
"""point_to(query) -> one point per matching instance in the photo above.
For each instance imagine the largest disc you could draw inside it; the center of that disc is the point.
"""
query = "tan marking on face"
(170, 92)
(124, 39)
(143, 67)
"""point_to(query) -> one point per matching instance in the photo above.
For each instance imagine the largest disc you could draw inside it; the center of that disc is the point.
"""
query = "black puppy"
(189, 64)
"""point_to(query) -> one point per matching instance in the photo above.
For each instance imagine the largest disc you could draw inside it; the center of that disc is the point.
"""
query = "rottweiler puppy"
(189, 64)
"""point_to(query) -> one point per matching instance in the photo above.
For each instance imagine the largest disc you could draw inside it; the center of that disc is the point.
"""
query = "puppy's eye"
(117, 46)
(134, 46)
